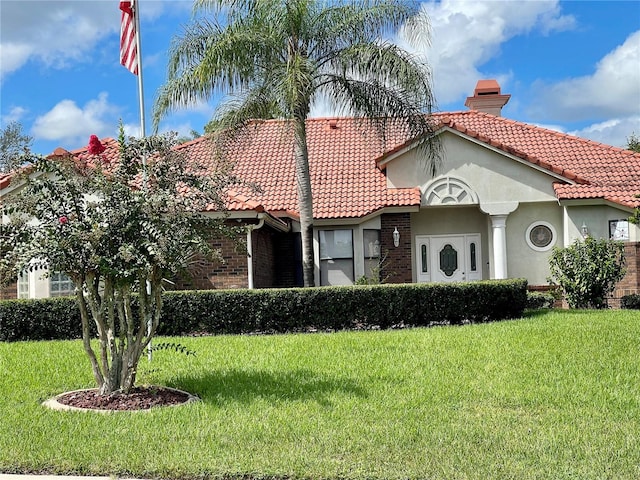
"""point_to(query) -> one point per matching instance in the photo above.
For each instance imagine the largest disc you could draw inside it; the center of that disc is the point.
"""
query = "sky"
(572, 66)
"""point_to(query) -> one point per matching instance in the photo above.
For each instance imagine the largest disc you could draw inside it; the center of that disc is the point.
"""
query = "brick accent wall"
(203, 274)
(9, 292)
(631, 282)
(398, 262)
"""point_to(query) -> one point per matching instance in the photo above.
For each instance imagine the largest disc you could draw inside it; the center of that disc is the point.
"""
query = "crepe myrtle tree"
(117, 230)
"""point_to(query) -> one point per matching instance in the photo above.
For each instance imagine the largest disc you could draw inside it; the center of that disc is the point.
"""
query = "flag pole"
(131, 58)
(143, 133)
(136, 16)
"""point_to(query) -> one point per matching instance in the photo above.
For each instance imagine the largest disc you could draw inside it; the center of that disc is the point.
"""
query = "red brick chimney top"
(487, 98)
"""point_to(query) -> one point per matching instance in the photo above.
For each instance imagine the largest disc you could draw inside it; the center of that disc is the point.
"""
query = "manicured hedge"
(289, 310)
(631, 302)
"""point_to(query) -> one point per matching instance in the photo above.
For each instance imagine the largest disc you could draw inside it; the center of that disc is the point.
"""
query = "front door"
(448, 258)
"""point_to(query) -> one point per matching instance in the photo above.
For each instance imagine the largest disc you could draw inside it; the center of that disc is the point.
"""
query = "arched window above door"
(448, 191)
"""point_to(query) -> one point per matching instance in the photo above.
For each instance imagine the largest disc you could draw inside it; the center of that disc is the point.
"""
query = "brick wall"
(273, 260)
(203, 274)
(9, 292)
(631, 281)
(398, 261)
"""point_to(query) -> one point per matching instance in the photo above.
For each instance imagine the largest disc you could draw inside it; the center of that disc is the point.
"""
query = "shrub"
(587, 271)
(288, 310)
(630, 302)
(538, 300)
(42, 319)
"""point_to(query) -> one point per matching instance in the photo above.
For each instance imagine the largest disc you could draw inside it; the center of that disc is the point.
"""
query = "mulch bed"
(140, 398)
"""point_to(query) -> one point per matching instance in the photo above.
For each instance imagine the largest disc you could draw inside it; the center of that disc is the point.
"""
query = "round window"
(541, 236)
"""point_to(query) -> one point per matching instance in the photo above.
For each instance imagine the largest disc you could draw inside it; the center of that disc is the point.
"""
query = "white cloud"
(467, 33)
(612, 90)
(614, 132)
(15, 115)
(52, 32)
(70, 124)
(59, 32)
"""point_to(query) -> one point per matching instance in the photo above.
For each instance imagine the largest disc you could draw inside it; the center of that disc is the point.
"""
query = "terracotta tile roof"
(348, 180)
(601, 171)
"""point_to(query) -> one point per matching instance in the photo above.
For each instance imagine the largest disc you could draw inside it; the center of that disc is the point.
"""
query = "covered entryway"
(448, 258)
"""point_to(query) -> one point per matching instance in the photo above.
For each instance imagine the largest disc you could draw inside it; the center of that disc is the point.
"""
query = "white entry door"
(448, 258)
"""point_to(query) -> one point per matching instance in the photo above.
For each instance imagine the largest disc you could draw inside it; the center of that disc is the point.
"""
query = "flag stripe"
(128, 47)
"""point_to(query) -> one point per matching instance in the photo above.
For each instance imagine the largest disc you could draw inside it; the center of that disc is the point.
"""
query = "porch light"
(396, 237)
(584, 230)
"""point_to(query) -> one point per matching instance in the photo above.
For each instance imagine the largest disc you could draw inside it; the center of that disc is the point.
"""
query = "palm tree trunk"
(305, 200)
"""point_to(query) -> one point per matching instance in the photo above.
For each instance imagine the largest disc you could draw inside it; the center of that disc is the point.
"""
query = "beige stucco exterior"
(481, 189)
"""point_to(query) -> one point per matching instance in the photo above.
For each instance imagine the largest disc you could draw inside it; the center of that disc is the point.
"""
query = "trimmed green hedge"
(288, 310)
(631, 302)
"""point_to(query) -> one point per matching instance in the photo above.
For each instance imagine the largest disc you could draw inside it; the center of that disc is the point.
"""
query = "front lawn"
(555, 395)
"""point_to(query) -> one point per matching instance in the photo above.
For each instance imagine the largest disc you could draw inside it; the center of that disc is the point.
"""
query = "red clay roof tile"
(347, 182)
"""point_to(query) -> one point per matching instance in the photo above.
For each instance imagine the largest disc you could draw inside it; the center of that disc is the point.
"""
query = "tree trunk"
(305, 200)
(122, 336)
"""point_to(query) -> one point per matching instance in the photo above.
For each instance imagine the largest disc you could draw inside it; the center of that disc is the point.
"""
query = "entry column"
(499, 227)
(498, 212)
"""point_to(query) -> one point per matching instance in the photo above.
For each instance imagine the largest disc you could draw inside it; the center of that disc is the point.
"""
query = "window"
(473, 258)
(23, 285)
(541, 236)
(371, 249)
(619, 229)
(60, 285)
(336, 257)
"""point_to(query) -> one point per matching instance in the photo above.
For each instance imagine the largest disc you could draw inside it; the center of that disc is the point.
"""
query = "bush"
(288, 310)
(630, 302)
(43, 319)
(538, 300)
(587, 271)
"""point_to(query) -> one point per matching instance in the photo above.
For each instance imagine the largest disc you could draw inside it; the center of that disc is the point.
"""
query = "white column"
(499, 227)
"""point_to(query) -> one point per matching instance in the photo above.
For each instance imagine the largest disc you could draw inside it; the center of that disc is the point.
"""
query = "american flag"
(128, 46)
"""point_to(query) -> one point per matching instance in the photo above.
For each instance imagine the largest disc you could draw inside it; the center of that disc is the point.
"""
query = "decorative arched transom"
(449, 191)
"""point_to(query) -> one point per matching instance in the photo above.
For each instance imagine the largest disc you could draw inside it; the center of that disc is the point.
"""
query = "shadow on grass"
(244, 386)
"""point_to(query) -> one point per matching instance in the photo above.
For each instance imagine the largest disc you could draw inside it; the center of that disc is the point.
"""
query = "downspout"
(250, 251)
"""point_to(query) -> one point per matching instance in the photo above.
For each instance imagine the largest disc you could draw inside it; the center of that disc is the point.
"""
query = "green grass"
(555, 396)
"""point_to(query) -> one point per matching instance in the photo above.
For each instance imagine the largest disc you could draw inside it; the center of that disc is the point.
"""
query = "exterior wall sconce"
(584, 230)
(396, 237)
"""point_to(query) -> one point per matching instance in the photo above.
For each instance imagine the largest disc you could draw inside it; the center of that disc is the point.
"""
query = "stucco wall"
(451, 221)
(523, 260)
(494, 177)
(596, 218)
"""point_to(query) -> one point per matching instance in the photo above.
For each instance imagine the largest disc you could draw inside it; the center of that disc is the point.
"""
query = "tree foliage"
(117, 230)
(276, 58)
(587, 271)
(633, 143)
(14, 145)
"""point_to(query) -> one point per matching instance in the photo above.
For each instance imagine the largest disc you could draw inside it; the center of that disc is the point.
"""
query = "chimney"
(486, 98)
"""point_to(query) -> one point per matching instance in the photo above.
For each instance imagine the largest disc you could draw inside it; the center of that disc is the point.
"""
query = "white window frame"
(554, 236)
(328, 257)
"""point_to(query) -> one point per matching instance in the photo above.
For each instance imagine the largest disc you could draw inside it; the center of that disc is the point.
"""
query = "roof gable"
(601, 171)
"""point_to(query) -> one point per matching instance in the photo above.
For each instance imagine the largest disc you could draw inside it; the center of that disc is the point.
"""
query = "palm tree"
(276, 57)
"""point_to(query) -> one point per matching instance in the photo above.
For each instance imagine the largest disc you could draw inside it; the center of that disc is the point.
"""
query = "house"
(503, 196)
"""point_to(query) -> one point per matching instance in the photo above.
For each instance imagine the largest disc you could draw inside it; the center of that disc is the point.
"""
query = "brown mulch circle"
(140, 398)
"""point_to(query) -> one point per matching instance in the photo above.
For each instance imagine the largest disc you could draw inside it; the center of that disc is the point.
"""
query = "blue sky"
(573, 66)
